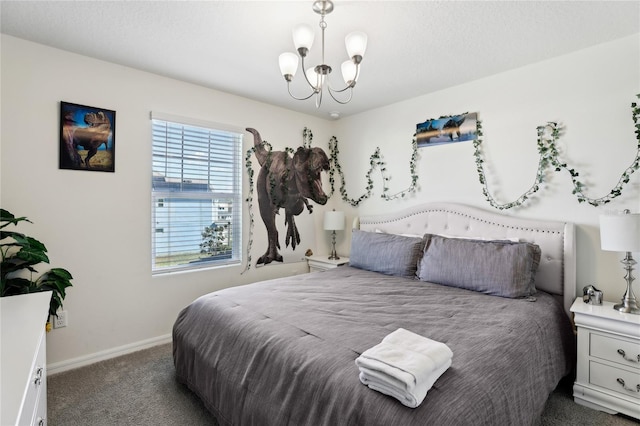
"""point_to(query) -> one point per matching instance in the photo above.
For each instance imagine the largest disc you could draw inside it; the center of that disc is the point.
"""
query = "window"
(196, 194)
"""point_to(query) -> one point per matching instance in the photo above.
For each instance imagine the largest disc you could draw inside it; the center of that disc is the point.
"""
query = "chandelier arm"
(313, 87)
(338, 91)
(351, 85)
(297, 98)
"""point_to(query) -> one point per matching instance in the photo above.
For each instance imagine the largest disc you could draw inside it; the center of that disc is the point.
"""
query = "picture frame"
(447, 129)
(87, 138)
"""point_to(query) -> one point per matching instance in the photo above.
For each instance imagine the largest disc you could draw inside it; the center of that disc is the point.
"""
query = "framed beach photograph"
(447, 129)
(87, 138)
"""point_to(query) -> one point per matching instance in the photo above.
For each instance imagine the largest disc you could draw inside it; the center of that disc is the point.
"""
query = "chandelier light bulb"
(349, 72)
(303, 36)
(356, 43)
(288, 64)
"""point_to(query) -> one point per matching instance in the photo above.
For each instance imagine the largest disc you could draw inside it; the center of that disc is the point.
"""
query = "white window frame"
(159, 197)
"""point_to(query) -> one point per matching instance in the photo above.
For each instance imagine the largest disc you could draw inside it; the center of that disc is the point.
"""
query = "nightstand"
(322, 262)
(608, 368)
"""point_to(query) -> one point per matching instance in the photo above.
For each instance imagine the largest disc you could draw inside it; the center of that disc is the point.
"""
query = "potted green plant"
(20, 254)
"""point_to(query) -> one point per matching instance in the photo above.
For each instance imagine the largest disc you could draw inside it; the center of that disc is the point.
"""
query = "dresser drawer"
(40, 415)
(623, 352)
(37, 381)
(620, 381)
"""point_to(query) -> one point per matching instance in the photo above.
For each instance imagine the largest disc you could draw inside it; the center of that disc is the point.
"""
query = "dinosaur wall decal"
(287, 182)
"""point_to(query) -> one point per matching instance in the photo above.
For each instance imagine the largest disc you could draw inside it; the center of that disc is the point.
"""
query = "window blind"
(196, 195)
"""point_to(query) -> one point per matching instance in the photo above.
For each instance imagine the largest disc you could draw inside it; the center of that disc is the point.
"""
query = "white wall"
(97, 225)
(589, 92)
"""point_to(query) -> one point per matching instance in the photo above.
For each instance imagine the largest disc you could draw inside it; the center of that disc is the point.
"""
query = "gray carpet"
(141, 389)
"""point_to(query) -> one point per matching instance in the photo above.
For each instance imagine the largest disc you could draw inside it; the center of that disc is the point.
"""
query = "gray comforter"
(282, 352)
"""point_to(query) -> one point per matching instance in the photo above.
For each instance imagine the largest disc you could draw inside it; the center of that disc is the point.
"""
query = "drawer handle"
(619, 380)
(624, 355)
(38, 380)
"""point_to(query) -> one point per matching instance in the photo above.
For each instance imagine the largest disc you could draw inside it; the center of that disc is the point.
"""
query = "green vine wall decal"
(249, 200)
(549, 157)
(375, 161)
(549, 161)
(307, 138)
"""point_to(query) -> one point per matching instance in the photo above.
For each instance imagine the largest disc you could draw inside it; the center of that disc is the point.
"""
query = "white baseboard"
(70, 364)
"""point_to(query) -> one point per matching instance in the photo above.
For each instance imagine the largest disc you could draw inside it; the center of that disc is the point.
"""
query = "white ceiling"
(415, 47)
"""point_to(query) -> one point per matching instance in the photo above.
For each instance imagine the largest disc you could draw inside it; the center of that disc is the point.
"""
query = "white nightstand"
(608, 369)
(322, 262)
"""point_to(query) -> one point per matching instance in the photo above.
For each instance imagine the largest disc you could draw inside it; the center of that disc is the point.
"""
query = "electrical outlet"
(61, 320)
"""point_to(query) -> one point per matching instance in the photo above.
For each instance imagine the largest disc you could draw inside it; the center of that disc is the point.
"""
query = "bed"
(281, 352)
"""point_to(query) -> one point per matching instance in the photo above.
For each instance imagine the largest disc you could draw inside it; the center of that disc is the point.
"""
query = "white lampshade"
(349, 71)
(356, 43)
(288, 63)
(620, 232)
(303, 36)
(333, 221)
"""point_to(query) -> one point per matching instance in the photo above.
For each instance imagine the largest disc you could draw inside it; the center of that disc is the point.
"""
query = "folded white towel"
(406, 356)
(439, 351)
(386, 385)
(404, 365)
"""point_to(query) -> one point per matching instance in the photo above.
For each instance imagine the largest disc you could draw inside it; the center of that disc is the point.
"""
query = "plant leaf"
(7, 218)
(14, 286)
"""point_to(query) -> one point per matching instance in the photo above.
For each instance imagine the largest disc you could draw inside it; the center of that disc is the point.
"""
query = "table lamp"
(333, 221)
(621, 232)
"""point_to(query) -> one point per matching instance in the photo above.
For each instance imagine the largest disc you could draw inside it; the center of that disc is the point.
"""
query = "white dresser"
(608, 370)
(23, 375)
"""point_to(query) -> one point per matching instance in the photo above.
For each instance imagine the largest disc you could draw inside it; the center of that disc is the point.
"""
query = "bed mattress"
(282, 352)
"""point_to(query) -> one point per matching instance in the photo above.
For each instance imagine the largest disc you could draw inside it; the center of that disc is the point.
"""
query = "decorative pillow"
(501, 268)
(389, 254)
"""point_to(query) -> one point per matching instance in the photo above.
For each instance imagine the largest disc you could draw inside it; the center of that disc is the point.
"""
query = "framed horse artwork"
(87, 138)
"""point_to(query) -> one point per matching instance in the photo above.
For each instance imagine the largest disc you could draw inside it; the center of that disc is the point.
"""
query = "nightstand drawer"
(621, 381)
(319, 263)
(615, 350)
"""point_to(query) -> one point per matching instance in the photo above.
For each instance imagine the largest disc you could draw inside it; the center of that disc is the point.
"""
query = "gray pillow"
(389, 254)
(501, 268)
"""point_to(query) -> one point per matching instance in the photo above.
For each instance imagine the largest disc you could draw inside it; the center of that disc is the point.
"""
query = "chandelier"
(317, 77)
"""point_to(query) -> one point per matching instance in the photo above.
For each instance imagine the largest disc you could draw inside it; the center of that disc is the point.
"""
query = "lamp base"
(627, 309)
(629, 304)
(333, 255)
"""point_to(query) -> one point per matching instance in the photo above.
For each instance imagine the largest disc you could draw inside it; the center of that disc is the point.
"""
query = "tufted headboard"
(557, 270)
